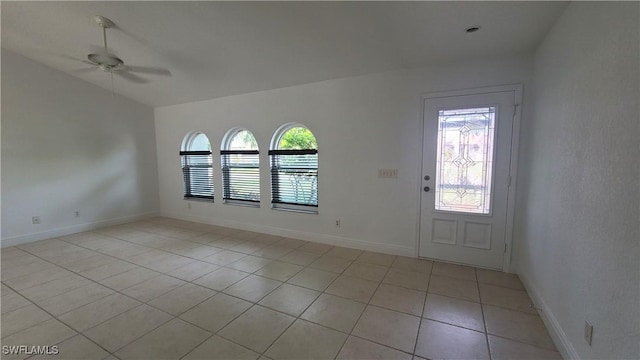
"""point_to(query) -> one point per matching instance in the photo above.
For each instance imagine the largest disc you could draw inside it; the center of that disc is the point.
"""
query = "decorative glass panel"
(464, 164)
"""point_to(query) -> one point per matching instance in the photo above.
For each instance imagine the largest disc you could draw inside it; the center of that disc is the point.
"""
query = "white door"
(465, 184)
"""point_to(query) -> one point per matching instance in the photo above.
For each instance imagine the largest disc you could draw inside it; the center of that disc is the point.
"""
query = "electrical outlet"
(388, 173)
(35, 220)
(338, 223)
(588, 332)
(76, 213)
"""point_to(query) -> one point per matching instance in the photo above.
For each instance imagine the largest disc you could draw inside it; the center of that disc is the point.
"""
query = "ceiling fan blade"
(131, 77)
(149, 70)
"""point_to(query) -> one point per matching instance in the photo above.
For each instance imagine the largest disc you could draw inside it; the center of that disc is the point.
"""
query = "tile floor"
(169, 289)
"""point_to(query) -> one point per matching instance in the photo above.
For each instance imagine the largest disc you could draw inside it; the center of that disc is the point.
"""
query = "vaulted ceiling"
(215, 49)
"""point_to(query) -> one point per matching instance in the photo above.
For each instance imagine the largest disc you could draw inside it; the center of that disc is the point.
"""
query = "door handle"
(427, 178)
(426, 189)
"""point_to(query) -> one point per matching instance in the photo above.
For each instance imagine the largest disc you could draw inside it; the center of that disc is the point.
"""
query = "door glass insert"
(464, 163)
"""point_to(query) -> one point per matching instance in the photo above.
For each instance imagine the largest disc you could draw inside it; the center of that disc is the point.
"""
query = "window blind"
(241, 175)
(197, 174)
(294, 177)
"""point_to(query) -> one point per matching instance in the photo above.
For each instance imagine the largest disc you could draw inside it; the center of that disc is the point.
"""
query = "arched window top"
(294, 136)
(239, 139)
(196, 141)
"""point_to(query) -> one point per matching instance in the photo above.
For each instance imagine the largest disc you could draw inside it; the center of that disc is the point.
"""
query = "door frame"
(513, 164)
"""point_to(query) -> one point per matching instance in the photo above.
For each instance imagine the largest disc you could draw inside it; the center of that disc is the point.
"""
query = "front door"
(465, 185)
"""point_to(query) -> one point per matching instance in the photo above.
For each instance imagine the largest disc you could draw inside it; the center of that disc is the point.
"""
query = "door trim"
(513, 165)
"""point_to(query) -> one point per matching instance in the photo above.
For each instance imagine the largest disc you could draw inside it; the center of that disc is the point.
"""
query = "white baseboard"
(562, 342)
(22, 239)
(302, 235)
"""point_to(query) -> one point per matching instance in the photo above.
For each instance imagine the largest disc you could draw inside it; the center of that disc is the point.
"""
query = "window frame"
(185, 157)
(225, 165)
(275, 155)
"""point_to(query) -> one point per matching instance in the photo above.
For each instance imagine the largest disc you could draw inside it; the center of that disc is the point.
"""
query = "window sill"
(296, 210)
(242, 203)
(198, 199)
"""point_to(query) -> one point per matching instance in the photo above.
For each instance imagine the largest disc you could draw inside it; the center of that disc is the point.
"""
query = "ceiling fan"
(112, 64)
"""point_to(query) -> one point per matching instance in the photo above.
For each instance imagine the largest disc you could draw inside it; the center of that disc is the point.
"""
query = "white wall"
(362, 124)
(578, 220)
(68, 145)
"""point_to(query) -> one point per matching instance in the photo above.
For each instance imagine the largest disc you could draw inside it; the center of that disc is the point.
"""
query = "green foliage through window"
(297, 138)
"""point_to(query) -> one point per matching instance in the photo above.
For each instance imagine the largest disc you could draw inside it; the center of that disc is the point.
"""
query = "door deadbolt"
(426, 189)
(427, 177)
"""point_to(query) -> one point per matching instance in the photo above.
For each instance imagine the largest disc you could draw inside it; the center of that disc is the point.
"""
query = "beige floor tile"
(13, 301)
(412, 264)
(129, 278)
(366, 271)
(353, 288)
(290, 299)
(225, 242)
(290, 243)
(499, 278)
(273, 251)
(506, 298)
(518, 326)
(408, 279)
(92, 314)
(331, 263)
(125, 328)
(74, 299)
(376, 258)
(280, 271)
(267, 239)
(250, 263)
(399, 299)
(442, 341)
(248, 247)
(10, 271)
(170, 264)
(298, 257)
(89, 262)
(37, 278)
(198, 252)
(221, 278)
(224, 257)
(217, 348)
(447, 286)
(453, 311)
(108, 270)
(193, 270)
(252, 288)
(374, 326)
(21, 319)
(257, 328)
(344, 253)
(216, 312)
(504, 349)
(335, 312)
(76, 348)
(126, 251)
(170, 341)
(455, 271)
(148, 257)
(360, 349)
(313, 279)
(153, 288)
(49, 332)
(315, 248)
(181, 299)
(55, 287)
(5, 290)
(305, 340)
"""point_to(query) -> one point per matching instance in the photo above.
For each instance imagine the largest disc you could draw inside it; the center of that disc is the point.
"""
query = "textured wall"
(578, 221)
(68, 145)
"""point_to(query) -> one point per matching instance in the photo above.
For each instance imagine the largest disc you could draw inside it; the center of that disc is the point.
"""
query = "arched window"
(294, 169)
(240, 168)
(197, 171)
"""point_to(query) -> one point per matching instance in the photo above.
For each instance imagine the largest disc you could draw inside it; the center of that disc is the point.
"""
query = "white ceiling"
(216, 49)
